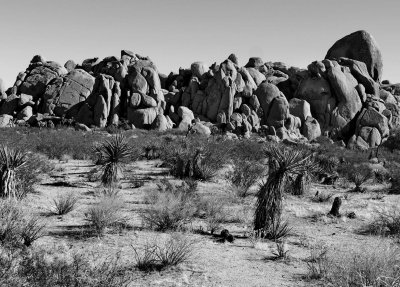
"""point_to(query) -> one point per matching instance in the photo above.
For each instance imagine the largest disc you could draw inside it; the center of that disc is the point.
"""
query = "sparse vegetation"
(10, 161)
(385, 223)
(281, 252)
(158, 255)
(64, 203)
(104, 214)
(244, 175)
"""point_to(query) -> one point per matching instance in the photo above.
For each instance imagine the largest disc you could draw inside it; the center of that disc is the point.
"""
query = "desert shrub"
(9, 262)
(374, 266)
(29, 174)
(246, 150)
(381, 175)
(43, 268)
(168, 211)
(244, 175)
(16, 227)
(359, 177)
(112, 155)
(393, 141)
(31, 230)
(327, 163)
(385, 223)
(64, 203)
(317, 263)
(281, 252)
(197, 160)
(214, 213)
(105, 214)
(156, 255)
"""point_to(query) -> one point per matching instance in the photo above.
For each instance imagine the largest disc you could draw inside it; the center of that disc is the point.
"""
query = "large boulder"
(38, 76)
(372, 118)
(142, 118)
(317, 92)
(360, 46)
(6, 121)
(266, 93)
(65, 92)
(198, 69)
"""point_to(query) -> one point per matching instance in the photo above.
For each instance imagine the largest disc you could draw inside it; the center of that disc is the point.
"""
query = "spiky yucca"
(112, 155)
(10, 161)
(283, 162)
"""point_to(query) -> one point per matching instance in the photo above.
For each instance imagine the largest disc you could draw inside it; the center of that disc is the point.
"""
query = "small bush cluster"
(17, 228)
(106, 213)
(197, 160)
(47, 268)
(157, 256)
(244, 175)
(169, 210)
(385, 223)
(64, 203)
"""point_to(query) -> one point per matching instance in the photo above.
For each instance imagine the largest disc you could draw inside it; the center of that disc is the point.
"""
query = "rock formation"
(341, 95)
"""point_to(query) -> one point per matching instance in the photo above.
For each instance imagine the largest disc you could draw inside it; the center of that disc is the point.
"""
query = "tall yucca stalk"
(282, 163)
(10, 161)
(112, 155)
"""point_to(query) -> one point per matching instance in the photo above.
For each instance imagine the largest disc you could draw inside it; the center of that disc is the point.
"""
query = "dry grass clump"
(17, 228)
(10, 161)
(244, 175)
(64, 203)
(156, 255)
(106, 213)
(192, 159)
(53, 268)
(374, 266)
(172, 207)
(385, 223)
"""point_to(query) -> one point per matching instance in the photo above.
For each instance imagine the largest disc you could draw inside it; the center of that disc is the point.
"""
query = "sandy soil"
(241, 263)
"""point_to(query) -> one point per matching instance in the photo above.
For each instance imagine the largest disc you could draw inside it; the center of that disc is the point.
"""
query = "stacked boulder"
(96, 93)
(237, 99)
(340, 96)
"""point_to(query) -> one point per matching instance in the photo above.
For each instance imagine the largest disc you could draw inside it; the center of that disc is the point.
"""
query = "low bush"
(374, 266)
(385, 223)
(317, 263)
(244, 175)
(44, 268)
(17, 228)
(64, 203)
(168, 211)
(281, 252)
(105, 214)
(157, 255)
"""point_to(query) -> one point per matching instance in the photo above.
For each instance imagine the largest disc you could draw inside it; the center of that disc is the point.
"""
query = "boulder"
(317, 92)
(65, 92)
(311, 129)
(185, 113)
(300, 108)
(256, 75)
(38, 77)
(372, 118)
(160, 123)
(70, 65)
(254, 62)
(6, 121)
(198, 69)
(360, 46)
(10, 105)
(201, 129)
(142, 118)
(3, 94)
(266, 93)
(278, 112)
(371, 136)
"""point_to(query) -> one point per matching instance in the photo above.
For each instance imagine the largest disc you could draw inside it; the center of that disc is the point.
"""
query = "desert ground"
(212, 261)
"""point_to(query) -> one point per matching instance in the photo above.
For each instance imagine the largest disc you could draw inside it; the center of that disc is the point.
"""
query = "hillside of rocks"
(342, 96)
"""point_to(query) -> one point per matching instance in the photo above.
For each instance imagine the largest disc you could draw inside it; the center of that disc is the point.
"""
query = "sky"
(175, 33)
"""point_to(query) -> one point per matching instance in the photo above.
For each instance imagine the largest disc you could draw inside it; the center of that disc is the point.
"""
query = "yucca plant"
(10, 161)
(282, 163)
(359, 178)
(112, 155)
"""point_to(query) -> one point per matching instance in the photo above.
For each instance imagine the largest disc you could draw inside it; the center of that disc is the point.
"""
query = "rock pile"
(340, 96)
